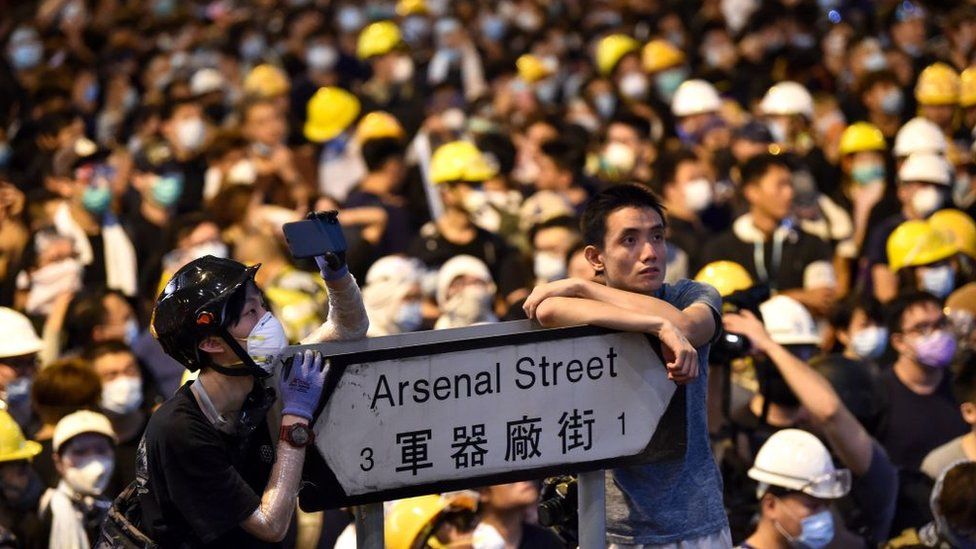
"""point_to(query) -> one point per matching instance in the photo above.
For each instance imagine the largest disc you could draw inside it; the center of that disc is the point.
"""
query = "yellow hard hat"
(13, 446)
(379, 125)
(726, 276)
(658, 55)
(611, 49)
(414, 519)
(531, 68)
(915, 243)
(379, 38)
(938, 84)
(967, 87)
(266, 81)
(958, 227)
(411, 7)
(861, 137)
(459, 161)
(330, 111)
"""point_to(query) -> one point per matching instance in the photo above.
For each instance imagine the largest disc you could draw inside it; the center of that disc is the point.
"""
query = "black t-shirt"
(537, 537)
(43, 463)
(916, 424)
(691, 238)
(800, 249)
(399, 227)
(199, 484)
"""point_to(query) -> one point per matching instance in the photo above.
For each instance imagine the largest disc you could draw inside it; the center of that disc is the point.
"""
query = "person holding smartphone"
(209, 473)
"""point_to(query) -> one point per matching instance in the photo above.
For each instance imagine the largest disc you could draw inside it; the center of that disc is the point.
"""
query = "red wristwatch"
(298, 435)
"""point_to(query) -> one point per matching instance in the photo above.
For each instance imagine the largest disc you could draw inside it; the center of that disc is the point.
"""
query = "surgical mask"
(938, 281)
(869, 343)
(131, 331)
(415, 29)
(190, 133)
(350, 19)
(549, 266)
(935, 350)
(17, 399)
(321, 57)
(868, 173)
(253, 47)
(27, 55)
(875, 61)
(698, 194)
(493, 28)
(634, 85)
(816, 531)
(403, 69)
(892, 101)
(667, 82)
(266, 341)
(470, 305)
(409, 317)
(605, 104)
(166, 190)
(122, 395)
(242, 172)
(96, 199)
(91, 476)
(779, 131)
(617, 159)
(926, 200)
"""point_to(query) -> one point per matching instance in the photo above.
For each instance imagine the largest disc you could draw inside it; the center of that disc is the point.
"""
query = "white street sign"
(421, 419)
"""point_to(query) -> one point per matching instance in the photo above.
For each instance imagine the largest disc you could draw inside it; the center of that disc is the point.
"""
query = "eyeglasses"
(926, 328)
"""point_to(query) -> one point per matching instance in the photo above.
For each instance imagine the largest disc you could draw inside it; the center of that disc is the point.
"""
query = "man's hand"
(747, 324)
(680, 354)
(568, 287)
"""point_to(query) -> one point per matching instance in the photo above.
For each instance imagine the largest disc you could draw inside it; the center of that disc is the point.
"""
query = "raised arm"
(680, 354)
(848, 438)
(347, 315)
(696, 322)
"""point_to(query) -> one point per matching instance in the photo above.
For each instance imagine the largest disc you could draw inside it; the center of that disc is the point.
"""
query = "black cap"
(754, 131)
(192, 306)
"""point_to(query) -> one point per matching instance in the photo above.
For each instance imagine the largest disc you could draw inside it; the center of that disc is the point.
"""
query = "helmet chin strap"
(249, 369)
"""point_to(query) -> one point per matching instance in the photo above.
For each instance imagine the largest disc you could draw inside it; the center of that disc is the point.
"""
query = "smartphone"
(317, 235)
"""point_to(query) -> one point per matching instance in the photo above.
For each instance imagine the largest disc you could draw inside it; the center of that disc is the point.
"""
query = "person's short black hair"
(640, 124)
(755, 168)
(874, 78)
(897, 308)
(964, 379)
(593, 223)
(498, 146)
(843, 312)
(667, 165)
(563, 221)
(565, 155)
(98, 350)
(171, 106)
(85, 311)
(377, 152)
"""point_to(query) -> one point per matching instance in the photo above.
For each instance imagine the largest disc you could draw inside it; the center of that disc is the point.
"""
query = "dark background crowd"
(816, 161)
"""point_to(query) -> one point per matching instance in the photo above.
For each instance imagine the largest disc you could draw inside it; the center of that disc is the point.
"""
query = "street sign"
(449, 409)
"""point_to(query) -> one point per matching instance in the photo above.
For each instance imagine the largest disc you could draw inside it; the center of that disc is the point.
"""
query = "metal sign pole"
(592, 511)
(369, 526)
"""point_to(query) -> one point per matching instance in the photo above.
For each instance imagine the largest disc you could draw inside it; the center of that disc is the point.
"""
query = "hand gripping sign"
(444, 410)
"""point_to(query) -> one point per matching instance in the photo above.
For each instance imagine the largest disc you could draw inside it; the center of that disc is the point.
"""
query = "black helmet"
(192, 305)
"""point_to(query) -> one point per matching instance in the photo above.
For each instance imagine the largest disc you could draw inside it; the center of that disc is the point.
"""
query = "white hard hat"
(77, 423)
(19, 337)
(796, 460)
(927, 167)
(458, 266)
(695, 97)
(919, 135)
(787, 98)
(788, 322)
(206, 80)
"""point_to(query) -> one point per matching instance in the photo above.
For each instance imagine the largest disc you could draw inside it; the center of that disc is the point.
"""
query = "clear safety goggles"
(826, 486)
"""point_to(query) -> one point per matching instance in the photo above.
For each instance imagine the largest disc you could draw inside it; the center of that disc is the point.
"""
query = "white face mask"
(91, 476)
(470, 305)
(870, 342)
(403, 69)
(321, 57)
(190, 133)
(122, 395)
(698, 194)
(266, 341)
(926, 200)
(634, 85)
(938, 281)
(409, 317)
(549, 266)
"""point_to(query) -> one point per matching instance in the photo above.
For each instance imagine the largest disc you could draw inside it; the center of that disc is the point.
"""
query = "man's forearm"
(574, 311)
(270, 521)
(699, 333)
(347, 315)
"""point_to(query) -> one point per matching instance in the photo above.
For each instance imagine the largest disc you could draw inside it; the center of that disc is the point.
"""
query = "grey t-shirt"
(938, 459)
(681, 499)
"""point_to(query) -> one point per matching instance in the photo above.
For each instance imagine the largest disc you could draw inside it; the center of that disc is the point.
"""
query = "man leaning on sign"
(669, 503)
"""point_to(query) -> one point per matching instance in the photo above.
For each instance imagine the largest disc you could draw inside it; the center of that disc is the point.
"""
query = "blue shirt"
(670, 501)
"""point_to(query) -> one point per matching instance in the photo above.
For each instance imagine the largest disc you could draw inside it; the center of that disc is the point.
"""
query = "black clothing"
(199, 484)
(915, 424)
(399, 227)
(43, 463)
(691, 238)
(537, 537)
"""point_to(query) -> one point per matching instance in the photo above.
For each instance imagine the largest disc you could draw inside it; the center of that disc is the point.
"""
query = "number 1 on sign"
(623, 424)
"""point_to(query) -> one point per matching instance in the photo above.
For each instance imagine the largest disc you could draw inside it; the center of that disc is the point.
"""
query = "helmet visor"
(829, 485)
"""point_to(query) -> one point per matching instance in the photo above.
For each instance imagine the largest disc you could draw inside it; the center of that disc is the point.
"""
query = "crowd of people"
(815, 163)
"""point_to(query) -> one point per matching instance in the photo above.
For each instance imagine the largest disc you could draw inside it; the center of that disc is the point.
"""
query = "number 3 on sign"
(367, 455)
(623, 425)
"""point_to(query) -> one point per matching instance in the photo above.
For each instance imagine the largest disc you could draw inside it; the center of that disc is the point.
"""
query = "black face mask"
(26, 499)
